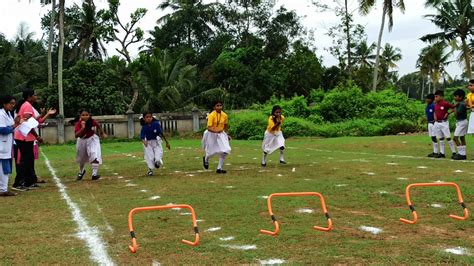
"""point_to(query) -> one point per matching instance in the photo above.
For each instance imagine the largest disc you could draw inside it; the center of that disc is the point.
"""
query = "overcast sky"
(407, 30)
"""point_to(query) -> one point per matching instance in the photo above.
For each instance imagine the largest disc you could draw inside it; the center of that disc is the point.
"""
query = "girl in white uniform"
(215, 140)
(273, 138)
(151, 136)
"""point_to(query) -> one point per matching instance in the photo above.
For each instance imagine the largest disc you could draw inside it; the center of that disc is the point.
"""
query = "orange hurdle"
(291, 194)
(134, 246)
(446, 184)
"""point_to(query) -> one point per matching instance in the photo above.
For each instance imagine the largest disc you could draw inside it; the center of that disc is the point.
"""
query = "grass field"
(363, 181)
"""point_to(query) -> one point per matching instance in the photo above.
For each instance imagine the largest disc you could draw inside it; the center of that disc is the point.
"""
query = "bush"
(294, 126)
(247, 125)
(343, 103)
(294, 107)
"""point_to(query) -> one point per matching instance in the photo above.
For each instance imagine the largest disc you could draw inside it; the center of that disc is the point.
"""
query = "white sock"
(221, 161)
(81, 168)
(264, 159)
(282, 157)
(435, 147)
(441, 146)
(95, 168)
(462, 150)
(206, 159)
(452, 146)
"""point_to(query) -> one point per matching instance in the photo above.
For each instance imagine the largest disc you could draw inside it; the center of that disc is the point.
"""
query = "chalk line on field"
(89, 234)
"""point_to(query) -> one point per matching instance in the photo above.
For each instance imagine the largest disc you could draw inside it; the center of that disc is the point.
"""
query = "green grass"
(37, 227)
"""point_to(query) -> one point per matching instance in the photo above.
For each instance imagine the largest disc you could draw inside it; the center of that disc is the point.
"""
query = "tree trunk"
(377, 57)
(60, 71)
(467, 59)
(135, 94)
(422, 88)
(50, 43)
(348, 36)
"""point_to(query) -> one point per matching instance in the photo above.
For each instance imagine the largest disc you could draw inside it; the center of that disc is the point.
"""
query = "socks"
(221, 161)
(462, 150)
(441, 146)
(282, 157)
(435, 147)
(452, 146)
(95, 169)
(81, 168)
(264, 159)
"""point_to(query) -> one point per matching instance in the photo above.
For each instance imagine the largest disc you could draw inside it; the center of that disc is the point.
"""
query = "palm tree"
(432, 62)
(456, 20)
(388, 7)
(167, 80)
(364, 54)
(390, 56)
(193, 15)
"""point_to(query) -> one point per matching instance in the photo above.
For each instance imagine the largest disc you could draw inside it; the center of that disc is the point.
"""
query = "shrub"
(247, 125)
(294, 126)
(343, 103)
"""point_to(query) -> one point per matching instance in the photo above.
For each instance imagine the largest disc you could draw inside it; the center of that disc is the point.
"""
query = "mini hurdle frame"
(133, 248)
(297, 194)
(444, 184)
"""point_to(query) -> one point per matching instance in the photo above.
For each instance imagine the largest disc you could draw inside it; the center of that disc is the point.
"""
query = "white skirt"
(470, 129)
(272, 142)
(88, 150)
(153, 152)
(215, 143)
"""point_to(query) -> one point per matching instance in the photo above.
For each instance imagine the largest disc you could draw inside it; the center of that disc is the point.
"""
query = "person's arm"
(79, 133)
(142, 136)
(101, 131)
(45, 116)
(276, 124)
(210, 126)
(160, 133)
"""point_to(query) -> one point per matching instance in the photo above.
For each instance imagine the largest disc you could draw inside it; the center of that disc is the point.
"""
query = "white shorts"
(461, 128)
(431, 130)
(442, 130)
(153, 153)
(470, 129)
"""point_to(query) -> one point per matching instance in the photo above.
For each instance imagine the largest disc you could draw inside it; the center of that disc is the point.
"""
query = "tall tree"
(456, 20)
(388, 7)
(388, 62)
(432, 62)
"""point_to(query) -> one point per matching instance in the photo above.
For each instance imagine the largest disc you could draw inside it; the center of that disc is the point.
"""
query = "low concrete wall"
(121, 126)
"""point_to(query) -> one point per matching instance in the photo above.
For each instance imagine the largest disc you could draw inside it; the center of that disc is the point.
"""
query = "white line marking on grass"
(199, 221)
(190, 175)
(240, 156)
(458, 251)
(383, 192)
(307, 179)
(144, 190)
(228, 164)
(304, 211)
(128, 180)
(120, 177)
(185, 213)
(279, 175)
(421, 167)
(262, 197)
(115, 173)
(436, 205)
(392, 163)
(271, 262)
(174, 209)
(254, 158)
(243, 247)
(459, 171)
(154, 198)
(213, 229)
(229, 187)
(341, 185)
(293, 170)
(131, 185)
(439, 181)
(155, 263)
(229, 238)
(402, 178)
(370, 229)
(89, 234)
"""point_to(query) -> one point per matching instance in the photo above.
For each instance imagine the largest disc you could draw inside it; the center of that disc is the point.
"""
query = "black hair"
(77, 118)
(471, 81)
(439, 93)
(6, 99)
(430, 96)
(460, 93)
(275, 108)
(214, 104)
(142, 119)
(26, 94)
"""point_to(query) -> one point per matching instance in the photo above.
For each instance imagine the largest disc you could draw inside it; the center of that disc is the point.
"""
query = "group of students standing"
(437, 111)
(18, 146)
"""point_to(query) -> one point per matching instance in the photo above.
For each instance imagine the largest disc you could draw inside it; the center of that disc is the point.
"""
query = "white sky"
(407, 30)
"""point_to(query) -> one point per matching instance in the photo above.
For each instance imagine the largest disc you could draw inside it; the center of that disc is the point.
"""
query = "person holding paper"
(24, 156)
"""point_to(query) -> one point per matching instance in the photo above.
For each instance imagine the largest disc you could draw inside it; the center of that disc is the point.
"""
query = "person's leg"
(435, 145)
(264, 159)
(282, 155)
(221, 163)
(19, 180)
(3, 180)
(27, 156)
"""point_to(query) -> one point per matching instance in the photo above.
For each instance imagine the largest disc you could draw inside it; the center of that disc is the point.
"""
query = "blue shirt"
(429, 110)
(151, 131)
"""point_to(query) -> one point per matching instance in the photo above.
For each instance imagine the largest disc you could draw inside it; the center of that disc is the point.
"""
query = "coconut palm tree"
(364, 54)
(456, 20)
(388, 59)
(432, 62)
(192, 16)
(387, 11)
